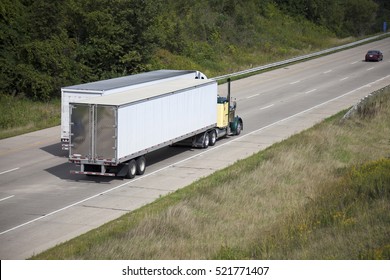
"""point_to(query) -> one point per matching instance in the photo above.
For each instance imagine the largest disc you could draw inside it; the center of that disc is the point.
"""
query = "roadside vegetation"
(49, 44)
(321, 194)
(22, 115)
(46, 44)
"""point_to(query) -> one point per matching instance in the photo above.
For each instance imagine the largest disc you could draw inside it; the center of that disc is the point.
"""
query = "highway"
(42, 205)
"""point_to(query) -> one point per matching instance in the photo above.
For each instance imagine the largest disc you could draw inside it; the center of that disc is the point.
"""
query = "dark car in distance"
(374, 55)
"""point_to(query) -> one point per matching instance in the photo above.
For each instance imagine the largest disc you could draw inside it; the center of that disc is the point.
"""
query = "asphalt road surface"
(42, 205)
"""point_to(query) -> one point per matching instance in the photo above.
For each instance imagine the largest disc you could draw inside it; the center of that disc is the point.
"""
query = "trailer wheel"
(141, 165)
(132, 169)
(213, 137)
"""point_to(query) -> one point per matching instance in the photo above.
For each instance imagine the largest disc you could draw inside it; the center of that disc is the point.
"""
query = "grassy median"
(321, 194)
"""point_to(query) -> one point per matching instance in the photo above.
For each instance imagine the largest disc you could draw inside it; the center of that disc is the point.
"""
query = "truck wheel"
(132, 169)
(141, 165)
(206, 140)
(239, 128)
(212, 137)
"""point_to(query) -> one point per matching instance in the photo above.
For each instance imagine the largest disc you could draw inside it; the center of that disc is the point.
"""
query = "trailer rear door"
(80, 131)
(93, 132)
(105, 133)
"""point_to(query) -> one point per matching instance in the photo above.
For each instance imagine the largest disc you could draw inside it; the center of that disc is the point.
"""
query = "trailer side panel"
(161, 121)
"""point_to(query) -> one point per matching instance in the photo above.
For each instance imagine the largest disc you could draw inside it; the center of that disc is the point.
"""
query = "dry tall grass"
(244, 211)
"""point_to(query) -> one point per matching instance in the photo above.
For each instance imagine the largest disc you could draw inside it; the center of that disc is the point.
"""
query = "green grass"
(21, 115)
(321, 194)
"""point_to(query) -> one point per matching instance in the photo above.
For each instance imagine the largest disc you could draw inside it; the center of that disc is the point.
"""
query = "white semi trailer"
(110, 135)
(106, 87)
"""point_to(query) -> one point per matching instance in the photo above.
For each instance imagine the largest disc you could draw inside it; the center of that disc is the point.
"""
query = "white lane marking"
(343, 79)
(310, 91)
(252, 96)
(8, 197)
(292, 83)
(266, 107)
(1, 173)
(354, 62)
(370, 68)
(194, 156)
(326, 72)
(303, 112)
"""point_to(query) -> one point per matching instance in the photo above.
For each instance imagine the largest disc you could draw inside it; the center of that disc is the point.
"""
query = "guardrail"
(299, 58)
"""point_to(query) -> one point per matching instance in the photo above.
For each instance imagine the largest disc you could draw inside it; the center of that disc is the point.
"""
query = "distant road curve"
(300, 58)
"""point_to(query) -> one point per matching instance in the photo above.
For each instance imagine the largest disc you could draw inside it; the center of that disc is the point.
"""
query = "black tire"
(212, 137)
(239, 128)
(131, 169)
(141, 165)
(206, 141)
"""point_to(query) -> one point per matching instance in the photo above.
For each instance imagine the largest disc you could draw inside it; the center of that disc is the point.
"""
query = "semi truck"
(110, 86)
(110, 135)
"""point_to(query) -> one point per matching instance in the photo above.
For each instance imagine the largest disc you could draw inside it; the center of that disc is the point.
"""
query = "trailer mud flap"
(123, 169)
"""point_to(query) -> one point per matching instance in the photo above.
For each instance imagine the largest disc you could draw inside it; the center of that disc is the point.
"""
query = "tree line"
(47, 44)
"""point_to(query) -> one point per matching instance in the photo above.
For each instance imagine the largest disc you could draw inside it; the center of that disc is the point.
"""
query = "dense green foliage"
(345, 17)
(47, 44)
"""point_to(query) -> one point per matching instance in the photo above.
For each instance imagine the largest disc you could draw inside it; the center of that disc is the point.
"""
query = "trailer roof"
(148, 92)
(129, 80)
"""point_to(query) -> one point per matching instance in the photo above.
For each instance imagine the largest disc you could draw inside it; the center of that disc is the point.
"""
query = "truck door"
(93, 132)
(105, 134)
(81, 123)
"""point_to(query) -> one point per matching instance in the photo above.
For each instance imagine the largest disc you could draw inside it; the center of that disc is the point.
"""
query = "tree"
(359, 16)
(13, 29)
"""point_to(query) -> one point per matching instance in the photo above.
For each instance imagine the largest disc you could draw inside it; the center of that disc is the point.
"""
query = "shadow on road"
(55, 150)
(164, 154)
(62, 171)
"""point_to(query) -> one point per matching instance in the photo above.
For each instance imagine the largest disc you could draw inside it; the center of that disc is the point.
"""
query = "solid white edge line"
(252, 96)
(310, 91)
(266, 107)
(184, 160)
(1, 173)
(8, 197)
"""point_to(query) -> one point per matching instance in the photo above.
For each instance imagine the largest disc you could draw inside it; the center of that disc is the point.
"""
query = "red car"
(374, 55)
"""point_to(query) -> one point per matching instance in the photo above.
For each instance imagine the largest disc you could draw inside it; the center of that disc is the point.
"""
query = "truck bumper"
(92, 173)
(93, 169)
